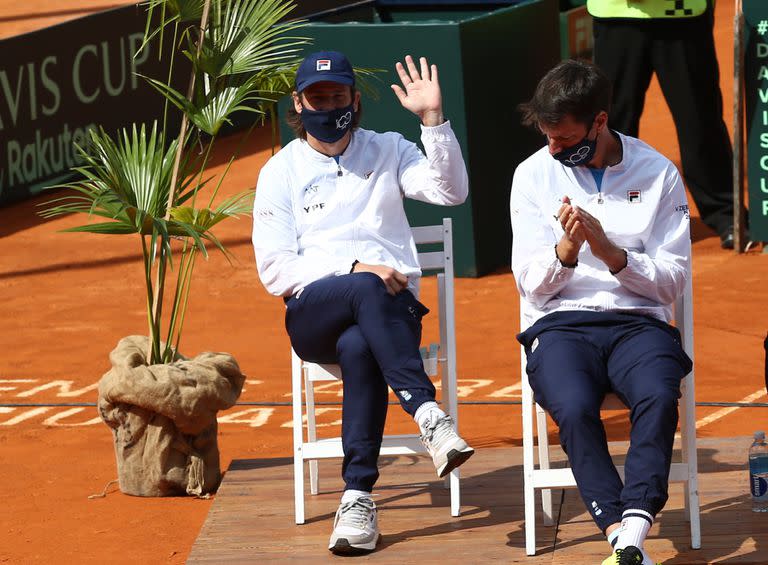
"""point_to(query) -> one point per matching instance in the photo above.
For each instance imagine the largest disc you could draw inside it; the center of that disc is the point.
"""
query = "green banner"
(756, 98)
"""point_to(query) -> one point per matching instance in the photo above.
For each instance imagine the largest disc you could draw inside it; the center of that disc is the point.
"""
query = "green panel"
(497, 79)
(445, 15)
(756, 94)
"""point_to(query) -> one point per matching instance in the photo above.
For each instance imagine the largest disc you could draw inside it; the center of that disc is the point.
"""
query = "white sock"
(425, 411)
(634, 527)
(352, 494)
(613, 537)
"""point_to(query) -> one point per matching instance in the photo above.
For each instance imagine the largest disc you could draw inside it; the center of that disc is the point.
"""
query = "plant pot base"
(163, 419)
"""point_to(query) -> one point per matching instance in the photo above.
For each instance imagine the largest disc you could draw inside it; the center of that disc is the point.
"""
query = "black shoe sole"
(455, 458)
(343, 547)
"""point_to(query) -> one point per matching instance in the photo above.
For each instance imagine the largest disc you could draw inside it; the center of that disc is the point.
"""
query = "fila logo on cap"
(634, 196)
(323, 64)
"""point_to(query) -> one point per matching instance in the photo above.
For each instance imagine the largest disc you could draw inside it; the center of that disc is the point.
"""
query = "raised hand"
(420, 92)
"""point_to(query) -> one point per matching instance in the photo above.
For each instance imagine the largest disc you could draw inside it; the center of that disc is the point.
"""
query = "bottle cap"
(760, 435)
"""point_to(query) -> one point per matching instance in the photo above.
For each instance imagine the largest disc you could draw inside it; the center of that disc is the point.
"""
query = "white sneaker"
(356, 527)
(447, 449)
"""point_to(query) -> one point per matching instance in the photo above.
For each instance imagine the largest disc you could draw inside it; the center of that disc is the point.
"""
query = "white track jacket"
(313, 218)
(644, 210)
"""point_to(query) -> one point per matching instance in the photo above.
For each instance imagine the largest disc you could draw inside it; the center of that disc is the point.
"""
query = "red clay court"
(68, 298)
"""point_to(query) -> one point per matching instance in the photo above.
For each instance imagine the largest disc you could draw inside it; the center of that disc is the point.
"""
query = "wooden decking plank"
(251, 519)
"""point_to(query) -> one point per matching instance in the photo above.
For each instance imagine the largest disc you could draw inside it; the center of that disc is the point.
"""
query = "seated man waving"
(331, 237)
(601, 249)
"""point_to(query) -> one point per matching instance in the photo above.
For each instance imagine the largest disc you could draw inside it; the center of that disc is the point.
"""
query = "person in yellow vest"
(673, 38)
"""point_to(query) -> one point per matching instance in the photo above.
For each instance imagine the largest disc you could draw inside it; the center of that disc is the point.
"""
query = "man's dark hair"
(572, 88)
(293, 118)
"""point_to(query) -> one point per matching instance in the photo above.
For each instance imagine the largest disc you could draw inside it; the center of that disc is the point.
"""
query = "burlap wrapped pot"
(163, 418)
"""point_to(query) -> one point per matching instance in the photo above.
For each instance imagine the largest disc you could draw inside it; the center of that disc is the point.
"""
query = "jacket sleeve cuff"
(636, 269)
(344, 266)
(560, 273)
(551, 277)
(443, 132)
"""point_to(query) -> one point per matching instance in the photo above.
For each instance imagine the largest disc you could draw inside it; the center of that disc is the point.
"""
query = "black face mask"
(328, 126)
(580, 154)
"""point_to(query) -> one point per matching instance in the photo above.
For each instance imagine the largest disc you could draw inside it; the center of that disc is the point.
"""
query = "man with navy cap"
(331, 237)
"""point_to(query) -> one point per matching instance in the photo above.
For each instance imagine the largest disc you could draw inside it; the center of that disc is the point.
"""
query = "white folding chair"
(440, 356)
(545, 478)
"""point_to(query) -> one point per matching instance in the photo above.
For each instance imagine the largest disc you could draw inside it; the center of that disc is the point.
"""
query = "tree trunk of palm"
(157, 307)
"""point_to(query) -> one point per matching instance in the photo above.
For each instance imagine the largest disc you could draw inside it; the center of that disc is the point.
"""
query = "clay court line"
(25, 416)
(723, 412)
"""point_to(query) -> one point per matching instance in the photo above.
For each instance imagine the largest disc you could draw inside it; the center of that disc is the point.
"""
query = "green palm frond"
(367, 80)
(244, 57)
(209, 112)
(127, 180)
(171, 94)
(163, 13)
(181, 10)
(204, 219)
(277, 83)
(111, 228)
(237, 205)
(247, 36)
(220, 105)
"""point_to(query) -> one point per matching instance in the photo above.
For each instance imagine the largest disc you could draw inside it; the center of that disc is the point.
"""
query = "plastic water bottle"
(758, 473)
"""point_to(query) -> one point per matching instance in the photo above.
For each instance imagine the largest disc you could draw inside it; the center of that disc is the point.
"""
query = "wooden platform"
(251, 520)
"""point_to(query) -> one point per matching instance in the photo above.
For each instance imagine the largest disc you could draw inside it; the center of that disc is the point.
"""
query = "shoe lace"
(356, 513)
(624, 557)
(438, 429)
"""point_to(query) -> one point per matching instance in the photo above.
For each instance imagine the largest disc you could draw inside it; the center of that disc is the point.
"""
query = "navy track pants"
(573, 359)
(351, 320)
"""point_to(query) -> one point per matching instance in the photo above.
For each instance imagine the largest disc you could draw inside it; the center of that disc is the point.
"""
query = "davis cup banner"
(756, 98)
(59, 82)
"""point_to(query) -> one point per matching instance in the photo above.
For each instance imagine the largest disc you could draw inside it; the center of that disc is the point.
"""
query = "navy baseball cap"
(322, 66)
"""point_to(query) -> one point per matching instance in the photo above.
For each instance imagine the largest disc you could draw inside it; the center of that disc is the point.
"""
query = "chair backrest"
(440, 261)
(441, 234)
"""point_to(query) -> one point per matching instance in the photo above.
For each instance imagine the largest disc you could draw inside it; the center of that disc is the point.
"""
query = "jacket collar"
(311, 153)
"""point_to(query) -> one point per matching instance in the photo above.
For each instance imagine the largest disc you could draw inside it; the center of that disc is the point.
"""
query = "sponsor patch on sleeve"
(684, 209)
(263, 213)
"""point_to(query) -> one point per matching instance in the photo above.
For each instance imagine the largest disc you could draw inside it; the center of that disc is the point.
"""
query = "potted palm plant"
(147, 182)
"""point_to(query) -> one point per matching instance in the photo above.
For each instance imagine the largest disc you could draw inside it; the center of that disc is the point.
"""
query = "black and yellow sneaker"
(629, 555)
